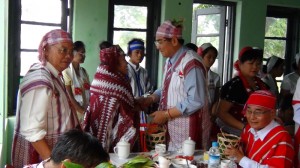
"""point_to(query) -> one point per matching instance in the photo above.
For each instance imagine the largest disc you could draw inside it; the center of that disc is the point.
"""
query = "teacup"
(122, 149)
(160, 149)
(163, 162)
(225, 163)
(188, 147)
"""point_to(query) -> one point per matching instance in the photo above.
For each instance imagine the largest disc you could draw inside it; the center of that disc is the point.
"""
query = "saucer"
(152, 152)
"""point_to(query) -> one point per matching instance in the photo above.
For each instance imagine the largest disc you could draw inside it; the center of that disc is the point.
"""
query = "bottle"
(214, 156)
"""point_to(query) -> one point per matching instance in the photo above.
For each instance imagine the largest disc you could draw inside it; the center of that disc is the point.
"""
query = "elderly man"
(44, 111)
(183, 93)
(265, 142)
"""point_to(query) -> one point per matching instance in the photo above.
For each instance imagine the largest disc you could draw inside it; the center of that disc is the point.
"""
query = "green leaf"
(105, 165)
(72, 165)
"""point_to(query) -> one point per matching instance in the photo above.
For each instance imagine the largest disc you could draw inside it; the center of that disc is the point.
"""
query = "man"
(183, 92)
(75, 147)
(265, 142)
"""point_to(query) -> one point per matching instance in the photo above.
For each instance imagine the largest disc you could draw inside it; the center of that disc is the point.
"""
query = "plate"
(181, 163)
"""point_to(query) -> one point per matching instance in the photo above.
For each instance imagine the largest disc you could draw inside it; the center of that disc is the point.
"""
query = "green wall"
(3, 79)
(90, 26)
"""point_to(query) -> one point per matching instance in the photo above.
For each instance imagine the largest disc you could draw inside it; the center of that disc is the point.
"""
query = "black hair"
(253, 54)
(77, 45)
(105, 44)
(80, 147)
(192, 46)
(131, 41)
(279, 62)
(212, 48)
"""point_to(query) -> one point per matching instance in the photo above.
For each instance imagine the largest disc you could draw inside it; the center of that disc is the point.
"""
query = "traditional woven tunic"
(191, 123)
(110, 115)
(296, 107)
(270, 146)
(43, 111)
(80, 86)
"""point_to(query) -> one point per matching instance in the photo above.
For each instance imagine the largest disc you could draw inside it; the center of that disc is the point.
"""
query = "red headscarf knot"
(110, 56)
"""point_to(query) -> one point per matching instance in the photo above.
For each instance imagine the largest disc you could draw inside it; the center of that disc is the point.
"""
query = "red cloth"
(276, 150)
(110, 115)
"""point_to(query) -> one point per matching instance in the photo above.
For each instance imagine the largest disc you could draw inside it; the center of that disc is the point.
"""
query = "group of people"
(113, 106)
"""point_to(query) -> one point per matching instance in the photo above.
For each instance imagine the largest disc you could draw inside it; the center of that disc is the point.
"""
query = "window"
(280, 33)
(29, 21)
(213, 23)
(136, 19)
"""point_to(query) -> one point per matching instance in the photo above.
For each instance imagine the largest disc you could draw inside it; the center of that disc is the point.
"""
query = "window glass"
(41, 11)
(123, 37)
(130, 17)
(274, 47)
(208, 24)
(27, 59)
(30, 40)
(276, 27)
(213, 40)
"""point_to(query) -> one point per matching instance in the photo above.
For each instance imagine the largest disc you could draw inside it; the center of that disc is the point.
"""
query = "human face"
(79, 56)
(136, 56)
(250, 68)
(122, 67)
(259, 117)
(209, 59)
(60, 55)
(165, 46)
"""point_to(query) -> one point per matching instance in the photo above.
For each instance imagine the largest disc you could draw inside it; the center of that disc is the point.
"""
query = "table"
(198, 155)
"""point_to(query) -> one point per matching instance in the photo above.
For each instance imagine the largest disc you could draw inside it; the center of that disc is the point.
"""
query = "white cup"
(188, 147)
(160, 149)
(225, 163)
(163, 162)
(122, 149)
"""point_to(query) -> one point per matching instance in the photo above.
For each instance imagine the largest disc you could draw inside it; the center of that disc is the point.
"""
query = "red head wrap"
(263, 98)
(110, 56)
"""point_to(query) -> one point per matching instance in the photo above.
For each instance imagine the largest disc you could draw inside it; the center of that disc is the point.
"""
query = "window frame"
(293, 17)
(153, 21)
(226, 70)
(14, 45)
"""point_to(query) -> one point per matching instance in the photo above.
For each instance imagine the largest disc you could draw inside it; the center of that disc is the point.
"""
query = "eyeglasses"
(64, 51)
(159, 42)
(256, 113)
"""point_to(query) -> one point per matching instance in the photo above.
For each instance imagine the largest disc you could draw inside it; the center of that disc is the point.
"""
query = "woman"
(44, 112)
(110, 115)
(77, 81)
(275, 68)
(209, 54)
(235, 92)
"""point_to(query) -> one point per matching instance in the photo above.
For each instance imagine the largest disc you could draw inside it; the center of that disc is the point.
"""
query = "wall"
(90, 26)
(3, 78)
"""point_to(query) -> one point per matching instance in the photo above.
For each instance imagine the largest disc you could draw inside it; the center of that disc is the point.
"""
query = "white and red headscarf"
(51, 38)
(202, 48)
(168, 30)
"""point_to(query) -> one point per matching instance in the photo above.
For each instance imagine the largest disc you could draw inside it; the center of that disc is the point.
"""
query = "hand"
(234, 152)
(159, 117)
(144, 102)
